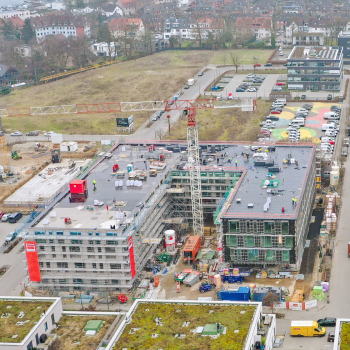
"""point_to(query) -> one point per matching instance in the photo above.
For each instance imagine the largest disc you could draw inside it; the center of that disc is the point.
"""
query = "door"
(30, 346)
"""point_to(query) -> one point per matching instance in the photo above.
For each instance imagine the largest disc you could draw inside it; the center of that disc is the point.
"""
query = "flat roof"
(18, 317)
(127, 199)
(250, 194)
(320, 53)
(287, 183)
(180, 324)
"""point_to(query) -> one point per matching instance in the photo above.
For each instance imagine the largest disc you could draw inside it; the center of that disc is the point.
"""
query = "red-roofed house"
(16, 21)
(127, 27)
(259, 26)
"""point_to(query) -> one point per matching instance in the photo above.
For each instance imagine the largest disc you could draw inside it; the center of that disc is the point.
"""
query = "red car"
(275, 112)
(331, 142)
(279, 83)
(1, 214)
(257, 65)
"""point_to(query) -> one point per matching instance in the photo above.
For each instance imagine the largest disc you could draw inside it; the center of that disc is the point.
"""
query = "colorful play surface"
(313, 122)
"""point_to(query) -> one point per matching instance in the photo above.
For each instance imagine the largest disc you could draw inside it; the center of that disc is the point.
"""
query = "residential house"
(292, 7)
(128, 6)
(127, 27)
(22, 14)
(308, 39)
(8, 75)
(17, 22)
(65, 24)
(105, 49)
(259, 26)
(110, 9)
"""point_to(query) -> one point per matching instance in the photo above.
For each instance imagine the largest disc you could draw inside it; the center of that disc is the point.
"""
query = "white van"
(326, 127)
(190, 82)
(299, 121)
(278, 104)
(329, 115)
(281, 100)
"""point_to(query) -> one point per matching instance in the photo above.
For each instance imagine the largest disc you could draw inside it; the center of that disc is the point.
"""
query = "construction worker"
(293, 200)
(236, 162)
(94, 183)
(229, 160)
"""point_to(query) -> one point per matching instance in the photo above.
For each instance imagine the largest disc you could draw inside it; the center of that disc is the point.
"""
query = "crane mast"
(194, 170)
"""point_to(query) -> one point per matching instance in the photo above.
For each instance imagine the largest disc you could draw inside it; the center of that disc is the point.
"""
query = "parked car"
(257, 81)
(17, 133)
(308, 106)
(268, 65)
(280, 48)
(176, 96)
(276, 88)
(49, 133)
(252, 89)
(1, 214)
(330, 337)
(257, 65)
(5, 217)
(329, 97)
(327, 322)
(2, 133)
(32, 133)
(273, 117)
(10, 237)
(206, 287)
(240, 90)
(15, 217)
(108, 155)
(219, 97)
(303, 97)
(346, 142)
(186, 86)
(251, 75)
(280, 83)
(200, 74)
(330, 133)
(281, 53)
(276, 111)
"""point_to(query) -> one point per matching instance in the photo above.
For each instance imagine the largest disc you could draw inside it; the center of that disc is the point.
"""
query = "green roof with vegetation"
(345, 336)
(173, 326)
(18, 317)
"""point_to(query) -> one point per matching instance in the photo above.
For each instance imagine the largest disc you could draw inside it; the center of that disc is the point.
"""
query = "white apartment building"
(22, 14)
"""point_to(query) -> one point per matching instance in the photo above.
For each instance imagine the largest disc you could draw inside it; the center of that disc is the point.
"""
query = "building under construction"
(259, 196)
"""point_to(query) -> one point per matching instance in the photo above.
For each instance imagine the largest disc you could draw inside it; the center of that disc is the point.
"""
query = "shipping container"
(238, 294)
(78, 186)
(191, 248)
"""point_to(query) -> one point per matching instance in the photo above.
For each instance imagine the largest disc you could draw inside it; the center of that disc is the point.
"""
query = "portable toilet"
(129, 168)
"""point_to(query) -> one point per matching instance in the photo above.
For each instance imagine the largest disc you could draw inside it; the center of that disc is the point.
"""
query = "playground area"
(313, 122)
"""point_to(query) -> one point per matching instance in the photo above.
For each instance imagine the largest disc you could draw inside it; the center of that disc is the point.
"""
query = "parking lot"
(6, 228)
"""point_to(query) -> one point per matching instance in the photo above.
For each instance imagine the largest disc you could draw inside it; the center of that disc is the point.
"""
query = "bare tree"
(270, 299)
(236, 60)
(58, 51)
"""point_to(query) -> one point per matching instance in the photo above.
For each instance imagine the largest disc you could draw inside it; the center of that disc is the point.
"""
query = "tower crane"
(188, 106)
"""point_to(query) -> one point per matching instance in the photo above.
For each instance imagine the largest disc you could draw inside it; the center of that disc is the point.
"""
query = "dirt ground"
(31, 163)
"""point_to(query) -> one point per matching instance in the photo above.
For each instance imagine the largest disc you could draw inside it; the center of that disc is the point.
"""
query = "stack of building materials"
(78, 191)
(192, 279)
(259, 293)
(330, 215)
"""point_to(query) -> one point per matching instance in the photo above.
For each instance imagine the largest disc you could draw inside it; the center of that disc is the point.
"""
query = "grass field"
(155, 77)
(230, 124)
(245, 56)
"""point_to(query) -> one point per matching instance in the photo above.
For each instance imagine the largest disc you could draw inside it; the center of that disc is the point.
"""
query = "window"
(266, 242)
(63, 249)
(249, 241)
(74, 249)
(94, 282)
(79, 265)
(110, 250)
(269, 227)
(62, 265)
(94, 265)
(53, 249)
(115, 282)
(234, 226)
(62, 281)
(99, 249)
(60, 241)
(289, 242)
(253, 254)
(76, 241)
(285, 227)
(48, 264)
(75, 233)
(90, 249)
(45, 325)
(116, 266)
(42, 248)
(51, 241)
(101, 266)
(40, 240)
(231, 241)
(285, 255)
(270, 255)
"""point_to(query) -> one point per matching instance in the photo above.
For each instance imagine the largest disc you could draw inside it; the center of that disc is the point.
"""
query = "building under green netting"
(93, 325)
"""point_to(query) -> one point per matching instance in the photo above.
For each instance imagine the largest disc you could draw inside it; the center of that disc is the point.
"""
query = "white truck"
(190, 82)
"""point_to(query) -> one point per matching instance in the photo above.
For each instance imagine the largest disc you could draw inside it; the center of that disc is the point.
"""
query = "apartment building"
(22, 14)
(344, 43)
(104, 244)
(315, 68)
(65, 24)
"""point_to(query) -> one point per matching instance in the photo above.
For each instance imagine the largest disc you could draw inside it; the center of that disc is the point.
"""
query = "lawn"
(155, 77)
(8, 325)
(229, 124)
(244, 56)
(345, 336)
(173, 316)
(71, 334)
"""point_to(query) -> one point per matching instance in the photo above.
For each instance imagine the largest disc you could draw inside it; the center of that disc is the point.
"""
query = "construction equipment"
(122, 298)
(206, 287)
(40, 147)
(15, 155)
(56, 156)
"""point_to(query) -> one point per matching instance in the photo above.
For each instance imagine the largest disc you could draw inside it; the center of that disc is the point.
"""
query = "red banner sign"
(132, 258)
(32, 261)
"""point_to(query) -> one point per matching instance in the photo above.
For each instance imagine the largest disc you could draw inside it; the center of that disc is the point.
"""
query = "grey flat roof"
(290, 183)
(319, 53)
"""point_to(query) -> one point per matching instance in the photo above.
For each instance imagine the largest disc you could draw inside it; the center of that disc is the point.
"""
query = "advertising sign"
(32, 261)
(125, 122)
(132, 257)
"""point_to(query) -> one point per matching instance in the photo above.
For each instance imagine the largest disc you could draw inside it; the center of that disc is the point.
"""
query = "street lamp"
(255, 60)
